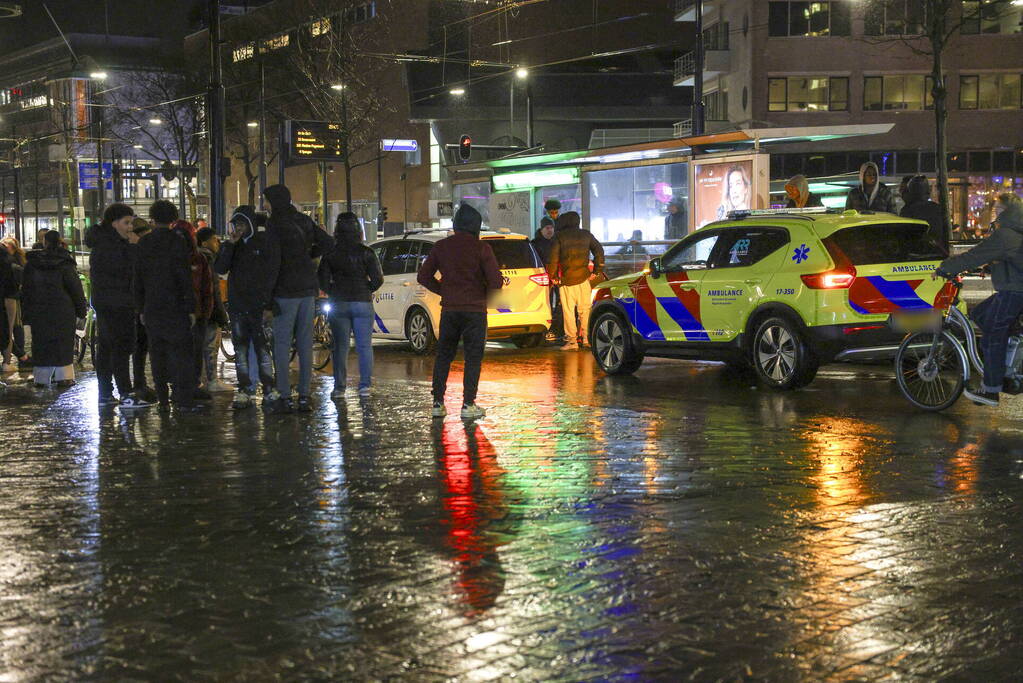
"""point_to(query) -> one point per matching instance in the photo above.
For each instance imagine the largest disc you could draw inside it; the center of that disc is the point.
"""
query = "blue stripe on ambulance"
(692, 327)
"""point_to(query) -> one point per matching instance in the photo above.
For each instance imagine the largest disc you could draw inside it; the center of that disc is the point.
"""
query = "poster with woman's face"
(722, 187)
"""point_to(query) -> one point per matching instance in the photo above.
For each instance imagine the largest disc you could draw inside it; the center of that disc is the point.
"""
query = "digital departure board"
(314, 141)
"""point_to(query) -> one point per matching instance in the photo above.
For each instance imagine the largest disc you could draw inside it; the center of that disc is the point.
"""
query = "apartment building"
(784, 63)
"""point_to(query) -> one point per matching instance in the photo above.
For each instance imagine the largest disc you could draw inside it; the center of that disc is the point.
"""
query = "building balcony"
(683, 128)
(715, 63)
(685, 10)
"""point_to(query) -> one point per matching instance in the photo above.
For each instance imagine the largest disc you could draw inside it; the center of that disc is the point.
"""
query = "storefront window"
(974, 210)
(570, 197)
(624, 203)
(476, 195)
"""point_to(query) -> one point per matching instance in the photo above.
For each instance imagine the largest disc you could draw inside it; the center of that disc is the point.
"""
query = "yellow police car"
(782, 291)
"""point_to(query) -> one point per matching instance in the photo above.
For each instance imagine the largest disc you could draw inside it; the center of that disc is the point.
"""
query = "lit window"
(808, 93)
(990, 91)
(277, 42)
(242, 52)
(320, 27)
(896, 92)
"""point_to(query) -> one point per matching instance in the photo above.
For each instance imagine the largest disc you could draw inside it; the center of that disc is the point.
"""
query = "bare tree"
(928, 28)
(163, 112)
(337, 78)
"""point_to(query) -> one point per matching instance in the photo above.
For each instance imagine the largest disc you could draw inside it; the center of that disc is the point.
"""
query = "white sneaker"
(337, 392)
(473, 412)
(365, 391)
(241, 401)
(570, 346)
(439, 410)
(217, 387)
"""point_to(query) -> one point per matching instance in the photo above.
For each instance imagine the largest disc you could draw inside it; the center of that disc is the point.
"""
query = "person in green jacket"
(1003, 249)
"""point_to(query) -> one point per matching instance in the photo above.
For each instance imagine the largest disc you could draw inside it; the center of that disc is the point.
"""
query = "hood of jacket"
(468, 219)
(348, 230)
(803, 187)
(279, 197)
(877, 183)
(48, 259)
(99, 233)
(245, 213)
(1012, 218)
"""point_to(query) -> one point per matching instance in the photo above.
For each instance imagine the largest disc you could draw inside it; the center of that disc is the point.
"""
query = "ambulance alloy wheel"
(612, 345)
(419, 331)
(781, 356)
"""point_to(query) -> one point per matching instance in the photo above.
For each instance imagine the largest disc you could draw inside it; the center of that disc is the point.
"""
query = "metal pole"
(262, 134)
(529, 116)
(280, 154)
(698, 74)
(215, 108)
(19, 226)
(404, 215)
(380, 193)
(101, 181)
(511, 108)
(323, 198)
(60, 204)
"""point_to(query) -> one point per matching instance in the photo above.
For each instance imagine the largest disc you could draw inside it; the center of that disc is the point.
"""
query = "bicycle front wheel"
(323, 342)
(931, 373)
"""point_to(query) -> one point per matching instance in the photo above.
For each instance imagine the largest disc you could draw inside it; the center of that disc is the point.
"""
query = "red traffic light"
(3, 219)
(464, 147)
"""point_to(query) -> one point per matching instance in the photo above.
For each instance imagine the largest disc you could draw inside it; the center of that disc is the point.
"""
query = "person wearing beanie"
(244, 259)
(294, 244)
(165, 296)
(349, 275)
(570, 269)
(113, 250)
(468, 270)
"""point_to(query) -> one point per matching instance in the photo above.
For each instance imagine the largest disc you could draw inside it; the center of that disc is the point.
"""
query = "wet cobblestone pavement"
(674, 525)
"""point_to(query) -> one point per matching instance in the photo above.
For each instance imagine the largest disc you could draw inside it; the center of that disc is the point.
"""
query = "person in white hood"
(871, 194)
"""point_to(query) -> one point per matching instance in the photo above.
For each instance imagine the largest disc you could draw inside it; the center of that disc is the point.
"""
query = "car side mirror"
(655, 267)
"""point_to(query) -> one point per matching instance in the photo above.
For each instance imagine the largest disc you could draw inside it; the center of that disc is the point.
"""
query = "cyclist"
(1003, 250)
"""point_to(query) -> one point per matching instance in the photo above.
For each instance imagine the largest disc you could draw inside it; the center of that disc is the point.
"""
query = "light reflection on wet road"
(673, 524)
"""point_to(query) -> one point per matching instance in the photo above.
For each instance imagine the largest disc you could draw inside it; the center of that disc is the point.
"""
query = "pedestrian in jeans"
(209, 246)
(1003, 249)
(112, 256)
(349, 275)
(294, 241)
(468, 269)
(164, 294)
(570, 269)
(243, 258)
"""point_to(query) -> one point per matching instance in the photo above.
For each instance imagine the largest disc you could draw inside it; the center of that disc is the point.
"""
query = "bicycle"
(85, 338)
(323, 338)
(933, 363)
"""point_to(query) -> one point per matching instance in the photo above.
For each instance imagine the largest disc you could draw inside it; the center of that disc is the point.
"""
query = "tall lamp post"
(698, 74)
(215, 121)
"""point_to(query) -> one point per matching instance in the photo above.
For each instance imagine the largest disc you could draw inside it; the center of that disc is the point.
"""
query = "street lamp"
(98, 75)
(155, 122)
(253, 124)
(522, 73)
(338, 86)
(457, 91)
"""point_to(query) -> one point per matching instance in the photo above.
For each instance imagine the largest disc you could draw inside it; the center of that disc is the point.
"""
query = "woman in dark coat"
(52, 300)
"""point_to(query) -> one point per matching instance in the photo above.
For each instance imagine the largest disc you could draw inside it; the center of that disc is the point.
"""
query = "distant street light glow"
(338, 86)
(521, 73)
(98, 75)
(457, 91)
(155, 122)
(253, 124)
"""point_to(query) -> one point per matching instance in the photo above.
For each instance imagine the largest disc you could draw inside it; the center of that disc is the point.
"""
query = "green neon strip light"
(530, 179)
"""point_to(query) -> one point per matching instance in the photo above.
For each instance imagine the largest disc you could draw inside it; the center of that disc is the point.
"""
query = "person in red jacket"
(202, 285)
(468, 269)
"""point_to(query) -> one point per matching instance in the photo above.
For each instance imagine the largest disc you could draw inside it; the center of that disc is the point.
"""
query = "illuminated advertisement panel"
(724, 184)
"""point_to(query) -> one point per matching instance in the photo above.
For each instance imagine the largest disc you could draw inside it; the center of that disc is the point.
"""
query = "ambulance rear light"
(840, 277)
(542, 279)
(830, 279)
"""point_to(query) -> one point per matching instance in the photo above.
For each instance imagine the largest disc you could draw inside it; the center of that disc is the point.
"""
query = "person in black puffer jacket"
(53, 303)
(243, 258)
(294, 242)
(111, 262)
(349, 275)
(919, 206)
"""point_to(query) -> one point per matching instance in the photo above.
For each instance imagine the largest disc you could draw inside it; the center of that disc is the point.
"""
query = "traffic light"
(383, 214)
(3, 220)
(464, 147)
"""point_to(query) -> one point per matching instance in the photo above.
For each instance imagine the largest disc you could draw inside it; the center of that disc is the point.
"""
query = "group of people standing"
(567, 251)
